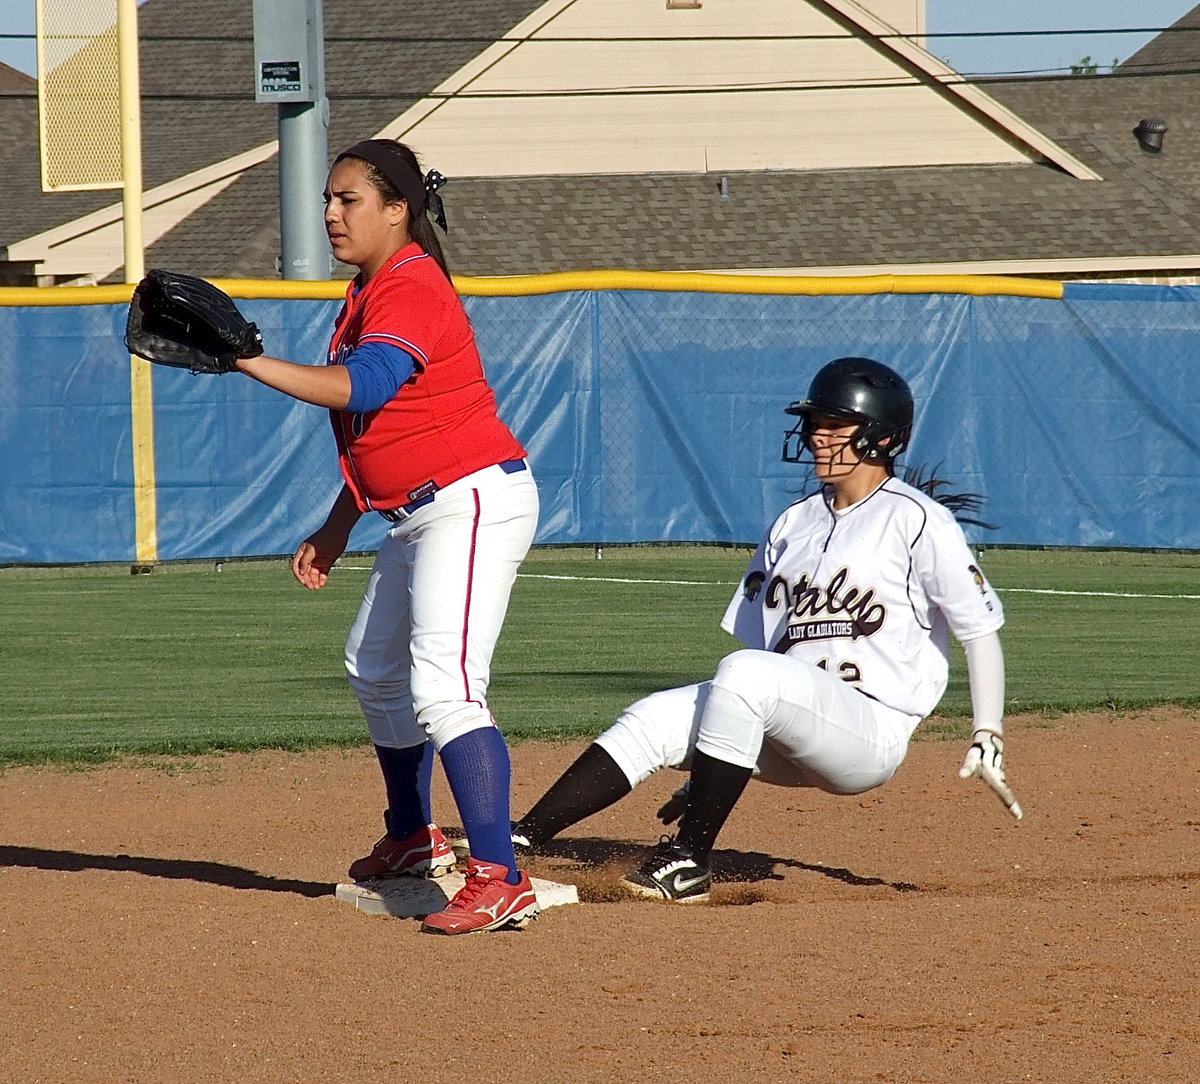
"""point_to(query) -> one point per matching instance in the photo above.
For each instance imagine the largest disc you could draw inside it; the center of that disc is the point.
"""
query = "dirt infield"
(175, 921)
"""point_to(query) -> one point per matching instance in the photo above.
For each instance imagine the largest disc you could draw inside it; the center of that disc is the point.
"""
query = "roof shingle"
(199, 108)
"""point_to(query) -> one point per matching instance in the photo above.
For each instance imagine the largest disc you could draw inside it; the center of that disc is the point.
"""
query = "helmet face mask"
(797, 441)
(857, 391)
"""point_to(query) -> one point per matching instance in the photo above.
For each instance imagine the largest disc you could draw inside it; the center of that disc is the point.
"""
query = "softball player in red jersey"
(845, 612)
(420, 442)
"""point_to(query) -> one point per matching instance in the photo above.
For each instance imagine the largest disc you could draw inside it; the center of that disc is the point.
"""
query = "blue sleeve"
(377, 372)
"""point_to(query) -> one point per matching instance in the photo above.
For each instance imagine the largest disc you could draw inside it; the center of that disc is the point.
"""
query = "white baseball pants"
(419, 653)
(793, 723)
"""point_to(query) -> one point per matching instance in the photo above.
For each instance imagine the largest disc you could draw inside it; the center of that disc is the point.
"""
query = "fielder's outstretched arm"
(320, 385)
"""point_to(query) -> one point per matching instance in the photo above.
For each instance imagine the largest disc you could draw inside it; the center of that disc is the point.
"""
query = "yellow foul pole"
(141, 386)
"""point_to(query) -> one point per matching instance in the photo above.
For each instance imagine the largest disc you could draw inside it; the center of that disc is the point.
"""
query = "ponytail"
(423, 233)
(962, 505)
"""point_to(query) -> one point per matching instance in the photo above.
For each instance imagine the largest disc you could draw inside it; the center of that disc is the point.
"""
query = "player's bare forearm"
(344, 513)
(321, 385)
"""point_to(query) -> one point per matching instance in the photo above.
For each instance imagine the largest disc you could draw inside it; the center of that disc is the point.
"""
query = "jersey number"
(847, 671)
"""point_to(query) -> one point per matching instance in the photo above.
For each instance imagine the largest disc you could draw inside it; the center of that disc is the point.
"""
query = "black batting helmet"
(861, 391)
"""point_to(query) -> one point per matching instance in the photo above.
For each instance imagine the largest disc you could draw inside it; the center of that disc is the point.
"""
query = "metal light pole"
(289, 67)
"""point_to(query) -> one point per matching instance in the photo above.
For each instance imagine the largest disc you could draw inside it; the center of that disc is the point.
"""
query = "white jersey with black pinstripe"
(869, 593)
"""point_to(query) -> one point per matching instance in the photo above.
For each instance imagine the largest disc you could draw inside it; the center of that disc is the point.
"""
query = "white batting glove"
(985, 759)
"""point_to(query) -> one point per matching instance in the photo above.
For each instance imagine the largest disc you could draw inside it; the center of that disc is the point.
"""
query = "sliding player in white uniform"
(845, 613)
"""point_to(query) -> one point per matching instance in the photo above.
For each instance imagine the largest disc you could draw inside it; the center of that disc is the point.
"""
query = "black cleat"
(671, 874)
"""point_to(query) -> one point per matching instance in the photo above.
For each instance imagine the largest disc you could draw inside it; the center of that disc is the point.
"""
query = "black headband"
(421, 193)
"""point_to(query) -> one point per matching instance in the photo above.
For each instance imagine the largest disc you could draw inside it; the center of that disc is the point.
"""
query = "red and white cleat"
(426, 853)
(486, 902)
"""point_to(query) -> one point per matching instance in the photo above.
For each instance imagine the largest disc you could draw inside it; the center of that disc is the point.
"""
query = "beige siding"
(684, 65)
(532, 105)
(650, 18)
(640, 134)
(907, 16)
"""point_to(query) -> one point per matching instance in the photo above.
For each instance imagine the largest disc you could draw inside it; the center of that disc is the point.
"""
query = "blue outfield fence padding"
(649, 416)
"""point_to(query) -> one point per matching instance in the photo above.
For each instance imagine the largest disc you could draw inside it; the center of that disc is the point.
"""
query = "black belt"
(396, 515)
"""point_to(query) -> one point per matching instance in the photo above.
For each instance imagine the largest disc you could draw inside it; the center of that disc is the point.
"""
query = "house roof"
(197, 91)
(1024, 214)
(1177, 49)
(12, 81)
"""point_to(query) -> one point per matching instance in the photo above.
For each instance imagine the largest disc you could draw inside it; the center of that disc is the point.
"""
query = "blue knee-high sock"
(478, 770)
(407, 777)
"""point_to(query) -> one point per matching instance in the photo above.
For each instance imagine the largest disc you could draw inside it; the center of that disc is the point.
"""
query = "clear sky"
(1045, 52)
(18, 17)
(968, 55)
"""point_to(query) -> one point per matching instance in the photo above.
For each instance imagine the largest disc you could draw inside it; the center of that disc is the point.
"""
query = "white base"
(416, 897)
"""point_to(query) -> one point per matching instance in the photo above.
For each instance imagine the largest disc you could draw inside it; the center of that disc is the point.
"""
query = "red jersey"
(443, 424)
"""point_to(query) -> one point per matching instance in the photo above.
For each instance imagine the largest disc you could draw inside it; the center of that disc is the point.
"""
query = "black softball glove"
(188, 323)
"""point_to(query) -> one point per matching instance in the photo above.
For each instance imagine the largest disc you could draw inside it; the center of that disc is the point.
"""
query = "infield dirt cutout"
(174, 920)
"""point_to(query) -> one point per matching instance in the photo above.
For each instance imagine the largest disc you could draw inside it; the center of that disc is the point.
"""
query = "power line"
(411, 39)
(400, 95)
(444, 39)
(964, 78)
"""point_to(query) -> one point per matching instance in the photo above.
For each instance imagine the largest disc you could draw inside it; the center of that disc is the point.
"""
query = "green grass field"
(187, 660)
